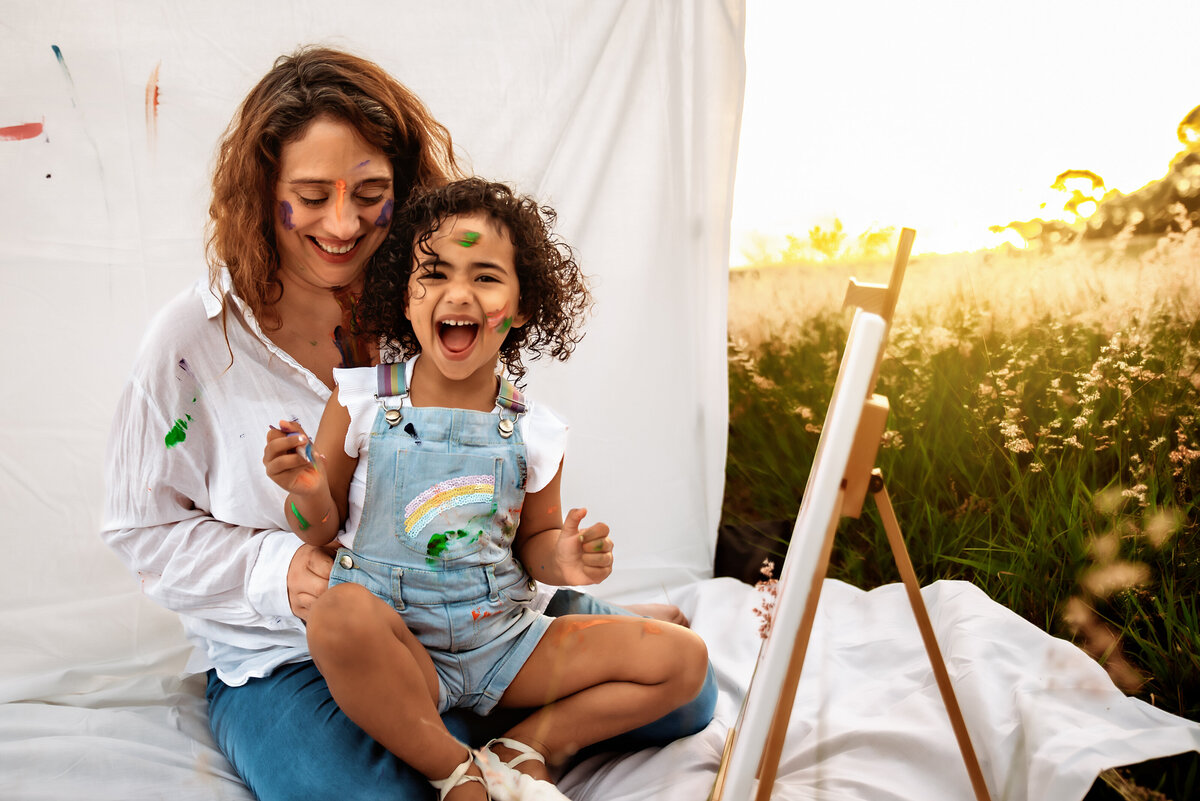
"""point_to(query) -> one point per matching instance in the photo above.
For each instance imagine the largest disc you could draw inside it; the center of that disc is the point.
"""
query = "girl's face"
(463, 296)
(333, 205)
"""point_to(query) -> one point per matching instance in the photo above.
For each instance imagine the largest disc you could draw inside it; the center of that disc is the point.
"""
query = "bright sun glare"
(951, 117)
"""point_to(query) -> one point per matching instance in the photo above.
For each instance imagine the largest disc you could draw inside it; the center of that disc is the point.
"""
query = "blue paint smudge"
(385, 214)
(285, 215)
(63, 63)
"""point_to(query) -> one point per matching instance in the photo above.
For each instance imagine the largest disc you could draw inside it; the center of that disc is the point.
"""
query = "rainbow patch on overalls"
(446, 495)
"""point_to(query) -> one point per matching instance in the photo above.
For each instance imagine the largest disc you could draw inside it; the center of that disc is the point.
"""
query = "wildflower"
(1104, 580)
(1099, 641)
(1108, 501)
(1137, 491)
(763, 383)
(1021, 445)
(1161, 525)
(1104, 549)
(768, 590)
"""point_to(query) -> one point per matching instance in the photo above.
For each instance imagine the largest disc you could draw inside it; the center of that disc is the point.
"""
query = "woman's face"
(333, 205)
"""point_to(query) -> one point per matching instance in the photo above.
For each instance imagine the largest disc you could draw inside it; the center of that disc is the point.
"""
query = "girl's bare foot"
(667, 613)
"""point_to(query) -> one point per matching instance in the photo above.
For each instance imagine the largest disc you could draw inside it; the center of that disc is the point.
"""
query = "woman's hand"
(287, 458)
(308, 577)
(584, 556)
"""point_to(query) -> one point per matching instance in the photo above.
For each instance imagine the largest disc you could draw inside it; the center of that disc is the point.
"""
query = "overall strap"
(510, 397)
(389, 380)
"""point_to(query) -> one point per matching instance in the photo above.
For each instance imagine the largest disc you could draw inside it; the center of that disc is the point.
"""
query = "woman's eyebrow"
(382, 180)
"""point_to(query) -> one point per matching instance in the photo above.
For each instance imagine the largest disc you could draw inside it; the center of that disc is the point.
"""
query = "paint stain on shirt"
(178, 432)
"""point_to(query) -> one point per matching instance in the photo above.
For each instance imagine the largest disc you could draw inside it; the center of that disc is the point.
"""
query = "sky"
(950, 116)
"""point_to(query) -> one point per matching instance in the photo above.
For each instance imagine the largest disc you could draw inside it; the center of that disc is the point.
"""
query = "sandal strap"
(526, 752)
(457, 776)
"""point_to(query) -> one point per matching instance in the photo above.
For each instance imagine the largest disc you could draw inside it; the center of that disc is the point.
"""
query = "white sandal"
(505, 783)
(526, 752)
(457, 776)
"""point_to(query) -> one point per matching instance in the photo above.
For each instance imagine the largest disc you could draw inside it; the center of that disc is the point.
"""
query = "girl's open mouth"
(457, 336)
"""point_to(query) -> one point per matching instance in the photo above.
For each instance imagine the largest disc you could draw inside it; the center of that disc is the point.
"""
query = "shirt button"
(345, 561)
(533, 585)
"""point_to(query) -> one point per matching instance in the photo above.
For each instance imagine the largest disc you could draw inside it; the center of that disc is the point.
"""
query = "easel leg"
(768, 767)
(909, 577)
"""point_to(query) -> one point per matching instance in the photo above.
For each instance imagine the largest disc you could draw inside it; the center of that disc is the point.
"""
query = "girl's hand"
(308, 576)
(286, 457)
(584, 556)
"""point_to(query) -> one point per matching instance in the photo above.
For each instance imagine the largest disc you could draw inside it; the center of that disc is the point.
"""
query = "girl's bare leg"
(596, 676)
(383, 679)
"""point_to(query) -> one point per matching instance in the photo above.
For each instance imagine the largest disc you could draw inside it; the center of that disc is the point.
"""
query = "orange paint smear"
(475, 613)
(15, 133)
(579, 625)
(152, 106)
(341, 189)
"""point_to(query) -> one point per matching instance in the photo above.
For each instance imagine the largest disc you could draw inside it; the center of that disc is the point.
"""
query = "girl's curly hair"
(554, 295)
(312, 83)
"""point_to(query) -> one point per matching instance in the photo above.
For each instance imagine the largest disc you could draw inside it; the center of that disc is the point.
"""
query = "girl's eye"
(313, 201)
(488, 279)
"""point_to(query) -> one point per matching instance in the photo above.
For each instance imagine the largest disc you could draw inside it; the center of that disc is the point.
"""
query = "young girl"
(454, 513)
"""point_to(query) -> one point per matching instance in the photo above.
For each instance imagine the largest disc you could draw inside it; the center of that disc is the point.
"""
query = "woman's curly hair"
(312, 83)
(553, 290)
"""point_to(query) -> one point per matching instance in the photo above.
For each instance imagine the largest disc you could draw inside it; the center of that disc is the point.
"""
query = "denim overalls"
(443, 501)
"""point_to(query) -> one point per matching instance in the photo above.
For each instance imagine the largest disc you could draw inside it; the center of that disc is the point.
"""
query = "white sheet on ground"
(868, 723)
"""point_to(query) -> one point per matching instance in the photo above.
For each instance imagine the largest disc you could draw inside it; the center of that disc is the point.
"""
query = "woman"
(319, 153)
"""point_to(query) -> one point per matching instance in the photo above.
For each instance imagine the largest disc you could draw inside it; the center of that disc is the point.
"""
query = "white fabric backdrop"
(623, 115)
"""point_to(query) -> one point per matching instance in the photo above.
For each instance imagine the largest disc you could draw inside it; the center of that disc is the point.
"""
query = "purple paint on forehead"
(385, 214)
(365, 163)
(285, 215)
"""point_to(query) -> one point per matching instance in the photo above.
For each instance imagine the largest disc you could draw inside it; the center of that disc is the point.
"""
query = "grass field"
(1043, 443)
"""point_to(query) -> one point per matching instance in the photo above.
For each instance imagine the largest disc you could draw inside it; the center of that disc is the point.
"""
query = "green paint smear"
(438, 542)
(504, 326)
(178, 432)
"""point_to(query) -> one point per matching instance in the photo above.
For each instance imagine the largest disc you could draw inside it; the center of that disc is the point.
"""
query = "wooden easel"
(862, 477)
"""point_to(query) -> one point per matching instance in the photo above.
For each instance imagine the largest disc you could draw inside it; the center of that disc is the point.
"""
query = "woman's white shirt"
(189, 507)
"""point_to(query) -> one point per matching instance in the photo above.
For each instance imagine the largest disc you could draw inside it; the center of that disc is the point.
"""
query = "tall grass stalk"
(1043, 443)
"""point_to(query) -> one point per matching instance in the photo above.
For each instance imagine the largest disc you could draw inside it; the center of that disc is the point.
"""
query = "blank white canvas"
(818, 509)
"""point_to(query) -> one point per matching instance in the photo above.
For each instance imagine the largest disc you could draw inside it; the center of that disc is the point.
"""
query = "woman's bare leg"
(596, 676)
(383, 679)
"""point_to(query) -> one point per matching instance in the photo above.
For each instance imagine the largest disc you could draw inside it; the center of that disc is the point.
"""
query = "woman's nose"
(341, 218)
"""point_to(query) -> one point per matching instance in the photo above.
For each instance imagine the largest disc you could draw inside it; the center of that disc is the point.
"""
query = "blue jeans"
(287, 738)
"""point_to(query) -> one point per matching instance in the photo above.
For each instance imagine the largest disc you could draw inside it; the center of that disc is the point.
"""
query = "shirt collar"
(212, 295)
